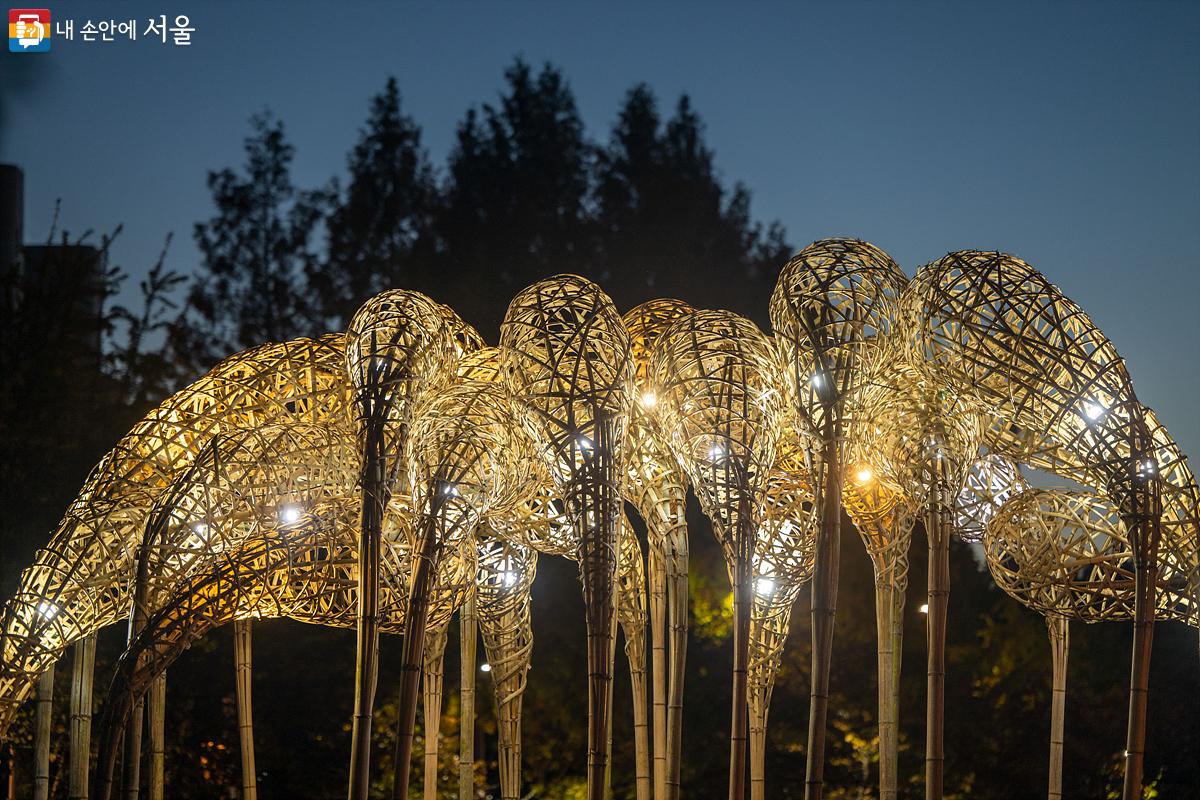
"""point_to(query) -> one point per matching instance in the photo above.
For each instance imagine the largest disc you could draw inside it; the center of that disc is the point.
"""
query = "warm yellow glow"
(864, 475)
(649, 400)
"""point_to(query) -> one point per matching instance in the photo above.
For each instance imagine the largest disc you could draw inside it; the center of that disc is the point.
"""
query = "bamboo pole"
(243, 650)
(435, 651)
(131, 766)
(738, 735)
(824, 605)
(366, 668)
(468, 637)
(81, 717)
(677, 619)
(158, 708)
(889, 630)
(657, 599)
(1059, 630)
(938, 526)
(41, 735)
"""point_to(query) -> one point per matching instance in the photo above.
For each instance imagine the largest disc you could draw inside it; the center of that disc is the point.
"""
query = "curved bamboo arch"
(78, 582)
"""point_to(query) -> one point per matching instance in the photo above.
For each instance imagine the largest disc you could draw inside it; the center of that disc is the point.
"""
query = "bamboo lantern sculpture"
(658, 489)
(464, 462)
(926, 440)
(566, 357)
(397, 344)
(719, 397)
(831, 301)
(883, 512)
(80, 580)
(994, 327)
(1066, 555)
(506, 573)
(784, 554)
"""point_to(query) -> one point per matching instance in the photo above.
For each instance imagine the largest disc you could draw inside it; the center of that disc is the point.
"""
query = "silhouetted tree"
(255, 251)
(380, 230)
(516, 198)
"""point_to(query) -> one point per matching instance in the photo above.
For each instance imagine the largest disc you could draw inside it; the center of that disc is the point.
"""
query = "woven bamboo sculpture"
(398, 344)
(784, 556)
(830, 303)
(565, 355)
(882, 506)
(995, 328)
(79, 581)
(1066, 555)
(658, 490)
(720, 403)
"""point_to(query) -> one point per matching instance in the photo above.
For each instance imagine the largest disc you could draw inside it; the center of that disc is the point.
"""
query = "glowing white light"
(864, 475)
(717, 451)
(816, 380)
(924, 609)
(47, 610)
(764, 586)
(450, 490)
(1093, 411)
(289, 515)
(585, 443)
(649, 400)
(485, 667)
(509, 578)
(200, 529)
(1148, 467)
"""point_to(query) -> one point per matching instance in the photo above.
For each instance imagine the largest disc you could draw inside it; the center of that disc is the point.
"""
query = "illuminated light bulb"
(200, 529)
(509, 578)
(289, 515)
(1093, 411)
(585, 443)
(485, 667)
(764, 586)
(924, 609)
(649, 400)
(47, 610)
(716, 451)
(450, 490)
(864, 475)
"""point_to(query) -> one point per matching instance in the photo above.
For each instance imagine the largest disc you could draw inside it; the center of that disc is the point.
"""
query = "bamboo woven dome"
(991, 480)
(720, 406)
(79, 581)
(1066, 553)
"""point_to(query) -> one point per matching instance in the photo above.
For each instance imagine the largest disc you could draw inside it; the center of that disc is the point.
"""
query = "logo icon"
(29, 30)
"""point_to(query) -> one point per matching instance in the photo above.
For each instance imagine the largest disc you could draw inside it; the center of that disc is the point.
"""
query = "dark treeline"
(525, 192)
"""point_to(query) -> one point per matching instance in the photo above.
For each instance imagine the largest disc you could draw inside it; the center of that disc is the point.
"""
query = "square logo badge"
(29, 30)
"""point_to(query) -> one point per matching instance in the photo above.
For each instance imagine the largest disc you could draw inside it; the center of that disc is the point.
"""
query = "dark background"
(297, 181)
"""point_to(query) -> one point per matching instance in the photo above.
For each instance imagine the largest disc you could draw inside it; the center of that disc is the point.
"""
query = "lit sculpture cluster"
(390, 477)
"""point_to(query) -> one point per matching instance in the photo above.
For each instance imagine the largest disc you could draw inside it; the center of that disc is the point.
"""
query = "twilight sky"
(1067, 134)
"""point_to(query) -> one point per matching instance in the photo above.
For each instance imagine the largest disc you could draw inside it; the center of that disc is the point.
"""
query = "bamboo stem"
(415, 620)
(243, 650)
(84, 669)
(41, 735)
(158, 708)
(1059, 630)
(466, 732)
(742, 599)
(432, 707)
(889, 629)
(824, 607)
(366, 668)
(131, 766)
(635, 653)
(938, 528)
(677, 619)
(658, 663)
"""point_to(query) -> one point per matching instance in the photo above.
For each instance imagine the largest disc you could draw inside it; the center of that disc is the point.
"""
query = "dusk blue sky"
(1067, 134)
